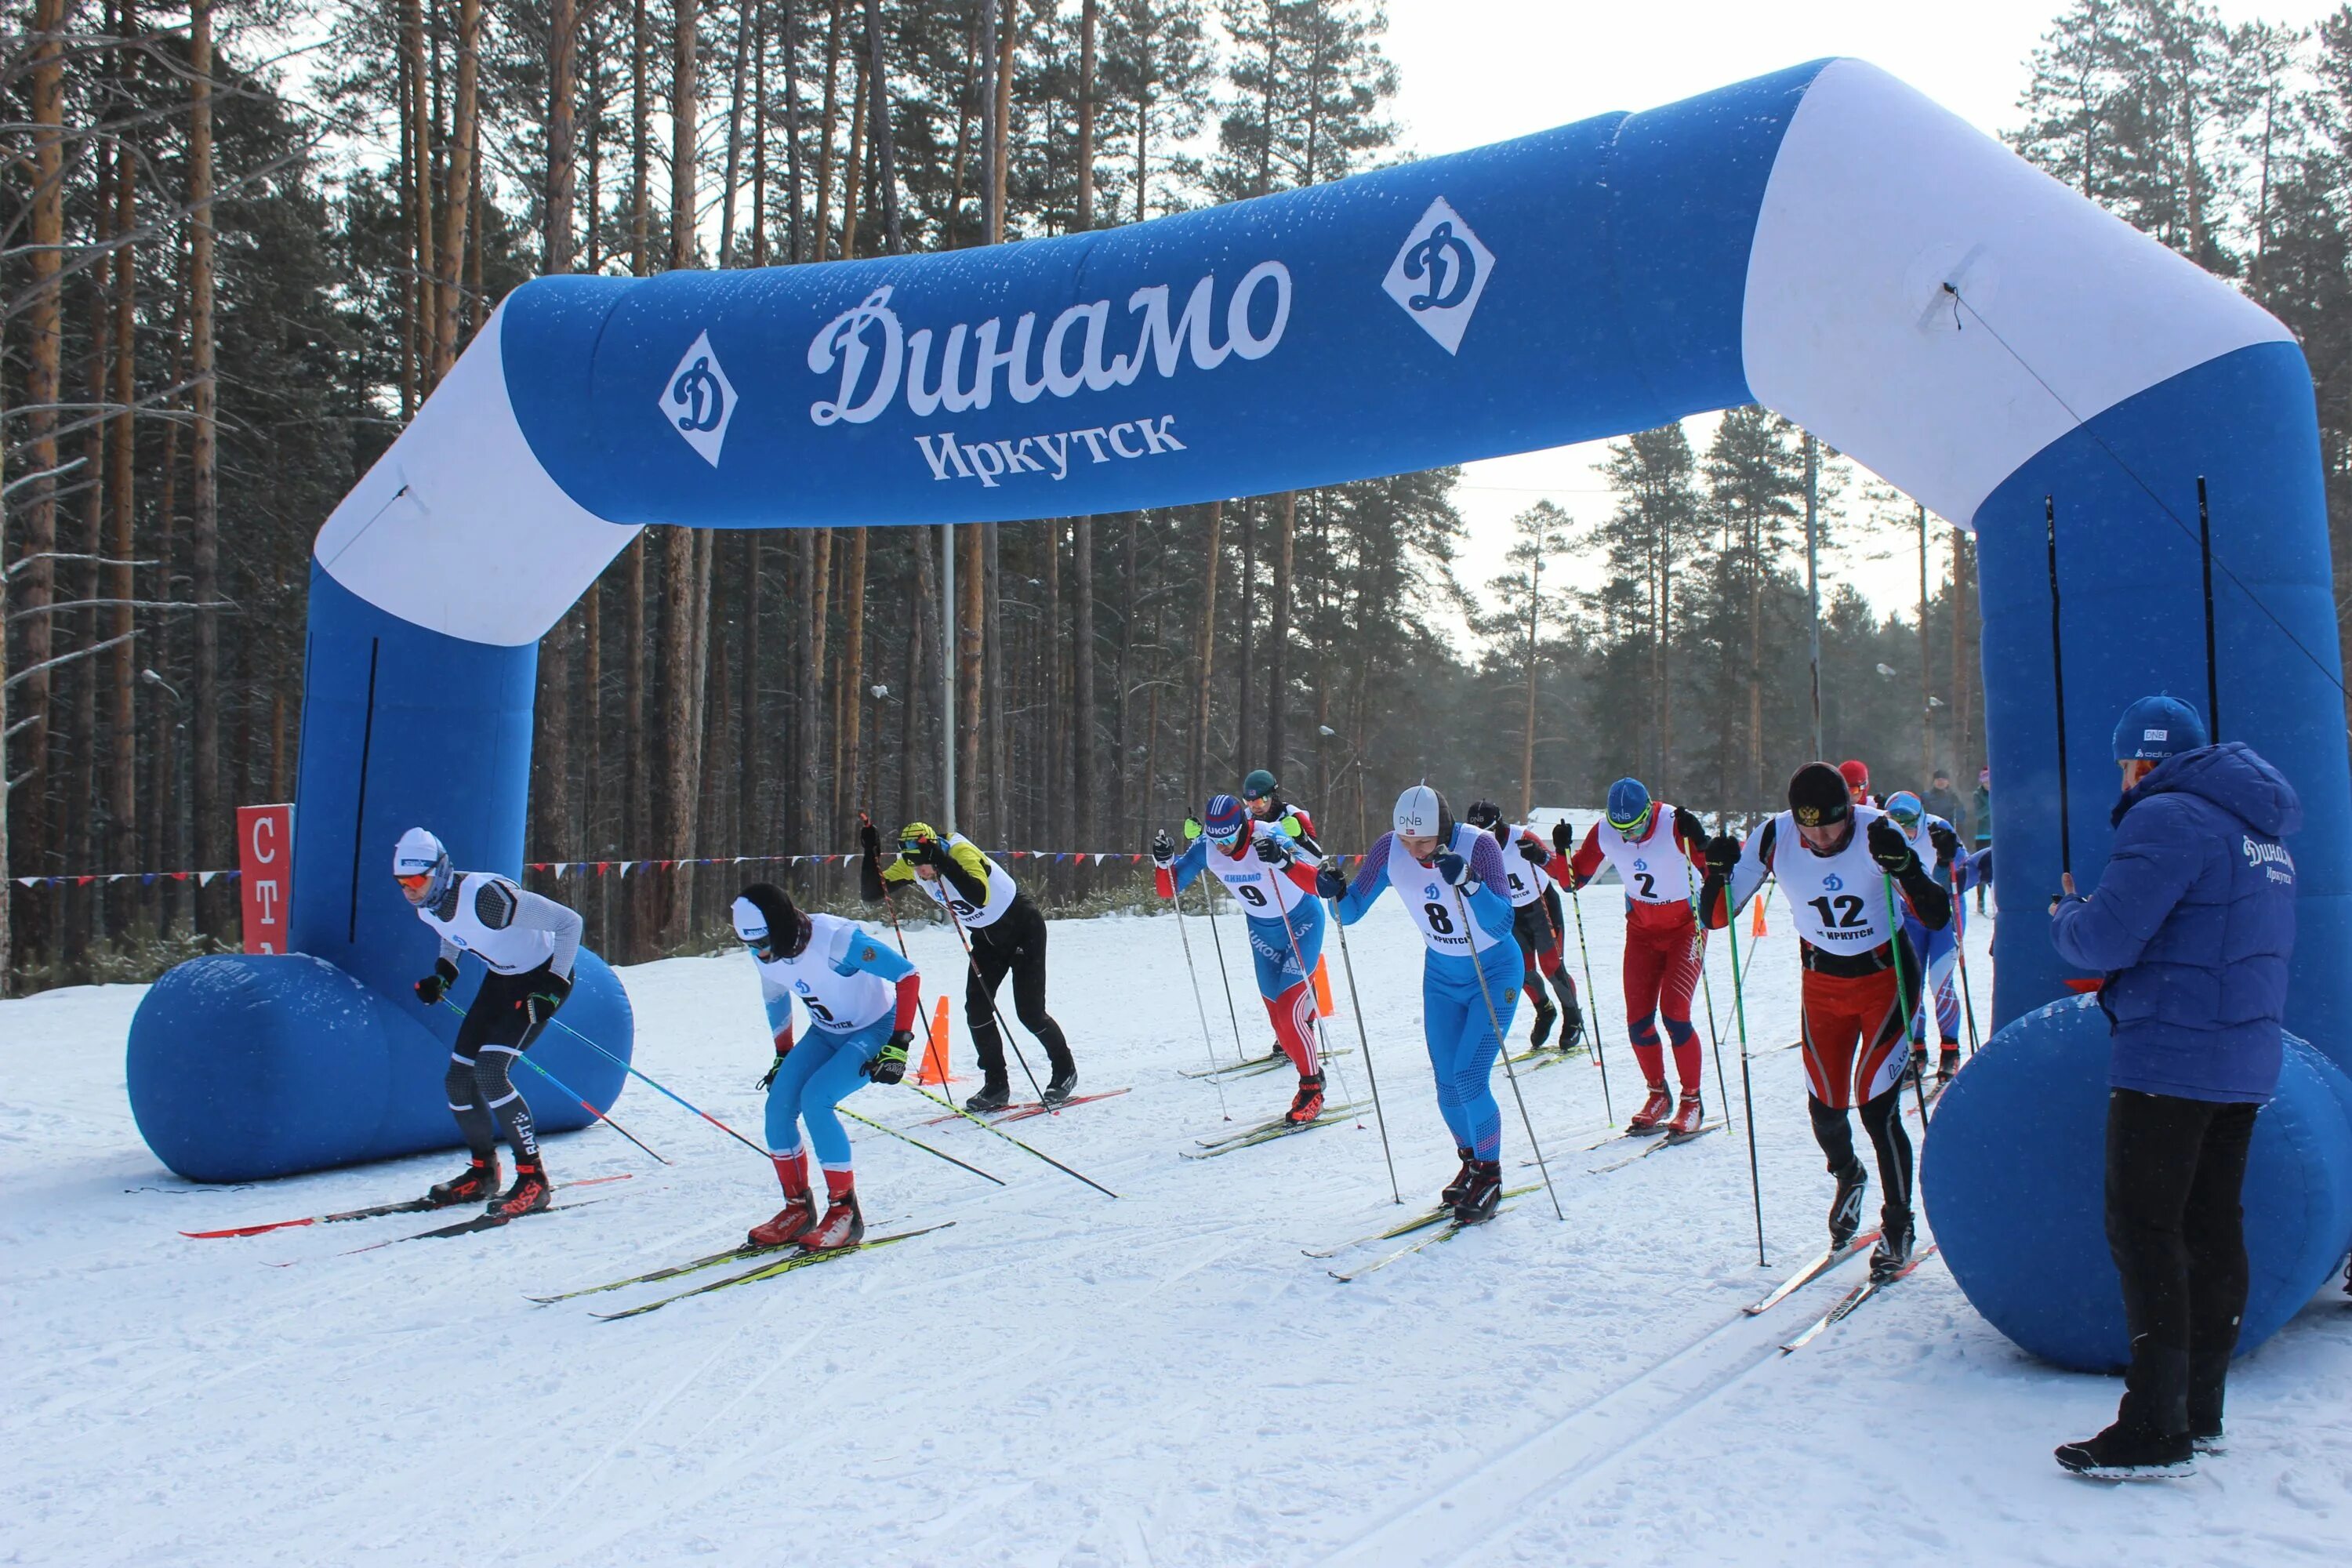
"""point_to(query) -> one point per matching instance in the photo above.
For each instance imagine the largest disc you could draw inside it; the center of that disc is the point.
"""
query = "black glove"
(1947, 842)
(1532, 852)
(1329, 883)
(1274, 851)
(1454, 869)
(773, 1067)
(1722, 854)
(543, 999)
(1163, 849)
(435, 986)
(889, 1065)
(1563, 838)
(928, 852)
(869, 839)
(1890, 848)
(1691, 830)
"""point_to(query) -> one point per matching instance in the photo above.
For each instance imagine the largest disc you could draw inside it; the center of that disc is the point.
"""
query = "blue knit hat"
(1629, 805)
(2157, 727)
(1225, 818)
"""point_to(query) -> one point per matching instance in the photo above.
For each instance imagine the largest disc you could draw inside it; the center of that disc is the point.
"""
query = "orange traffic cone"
(935, 1051)
(1756, 922)
(1323, 989)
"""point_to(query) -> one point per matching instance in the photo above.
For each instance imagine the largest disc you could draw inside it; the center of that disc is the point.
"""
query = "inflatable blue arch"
(1823, 240)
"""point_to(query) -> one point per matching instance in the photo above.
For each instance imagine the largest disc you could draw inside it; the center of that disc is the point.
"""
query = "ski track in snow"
(1060, 1378)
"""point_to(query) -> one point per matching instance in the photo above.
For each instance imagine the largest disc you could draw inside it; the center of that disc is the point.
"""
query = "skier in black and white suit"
(528, 944)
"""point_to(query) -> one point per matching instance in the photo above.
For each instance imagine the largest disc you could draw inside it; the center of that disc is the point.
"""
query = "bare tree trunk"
(562, 157)
(1277, 675)
(1085, 176)
(852, 176)
(1244, 662)
(682, 135)
(885, 159)
(641, 259)
(637, 807)
(123, 801)
(1196, 773)
(554, 726)
(204, 474)
(747, 782)
(595, 841)
(816, 576)
(1527, 716)
(454, 233)
(417, 190)
(912, 734)
(743, 43)
(853, 675)
(1051, 774)
(824, 134)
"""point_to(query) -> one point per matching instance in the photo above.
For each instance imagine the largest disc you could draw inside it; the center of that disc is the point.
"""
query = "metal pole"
(948, 675)
(1813, 576)
(2213, 669)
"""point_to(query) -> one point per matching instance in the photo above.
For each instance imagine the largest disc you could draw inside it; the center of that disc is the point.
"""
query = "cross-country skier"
(1938, 844)
(528, 944)
(862, 999)
(1273, 878)
(1836, 859)
(1856, 775)
(1655, 848)
(1450, 878)
(1536, 921)
(1263, 796)
(1007, 935)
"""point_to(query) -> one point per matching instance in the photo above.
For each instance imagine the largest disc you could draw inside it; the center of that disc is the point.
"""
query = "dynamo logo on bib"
(802, 986)
(1432, 892)
(1833, 883)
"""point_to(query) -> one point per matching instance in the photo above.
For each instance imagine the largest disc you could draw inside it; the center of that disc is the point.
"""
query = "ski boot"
(1892, 1253)
(1277, 1054)
(843, 1224)
(1061, 1086)
(476, 1183)
(2126, 1453)
(1845, 1209)
(1947, 1065)
(1545, 1015)
(798, 1216)
(1917, 1071)
(1688, 1116)
(1481, 1192)
(529, 1195)
(994, 1096)
(1453, 1191)
(1308, 1103)
(1652, 1116)
(1571, 1030)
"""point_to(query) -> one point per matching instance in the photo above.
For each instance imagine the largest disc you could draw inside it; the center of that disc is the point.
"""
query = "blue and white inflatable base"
(243, 1068)
(2014, 1179)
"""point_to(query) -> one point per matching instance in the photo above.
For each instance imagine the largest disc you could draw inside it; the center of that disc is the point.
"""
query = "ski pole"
(1209, 905)
(1200, 1005)
(1600, 1055)
(631, 1069)
(1307, 978)
(1907, 998)
(564, 1088)
(1495, 1021)
(1746, 1086)
(1706, 988)
(1356, 1005)
(1960, 957)
(967, 1116)
(972, 962)
(918, 1143)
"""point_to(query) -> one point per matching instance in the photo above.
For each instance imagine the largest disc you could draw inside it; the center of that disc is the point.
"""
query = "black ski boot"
(1845, 1209)
(529, 1195)
(2126, 1453)
(1453, 1191)
(1917, 1071)
(1572, 1029)
(994, 1096)
(1545, 1015)
(1062, 1085)
(1277, 1054)
(1892, 1253)
(1480, 1193)
(1947, 1065)
(478, 1183)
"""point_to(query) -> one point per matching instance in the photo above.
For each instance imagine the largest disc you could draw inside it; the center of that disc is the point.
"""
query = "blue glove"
(1452, 867)
(1329, 883)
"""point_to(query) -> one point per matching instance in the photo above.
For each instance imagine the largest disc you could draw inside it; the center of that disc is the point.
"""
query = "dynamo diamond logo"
(698, 401)
(1440, 274)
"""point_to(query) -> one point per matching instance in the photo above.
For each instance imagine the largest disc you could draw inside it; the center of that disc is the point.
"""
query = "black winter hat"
(1818, 798)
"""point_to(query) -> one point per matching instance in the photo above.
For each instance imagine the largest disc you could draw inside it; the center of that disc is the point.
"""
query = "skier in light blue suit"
(1450, 877)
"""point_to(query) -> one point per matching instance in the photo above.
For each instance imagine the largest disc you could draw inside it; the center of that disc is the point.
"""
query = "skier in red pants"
(1658, 851)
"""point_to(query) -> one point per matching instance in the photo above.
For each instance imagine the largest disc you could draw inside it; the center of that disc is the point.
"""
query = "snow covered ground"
(1060, 1378)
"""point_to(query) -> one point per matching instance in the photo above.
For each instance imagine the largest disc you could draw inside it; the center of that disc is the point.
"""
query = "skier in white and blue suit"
(1451, 878)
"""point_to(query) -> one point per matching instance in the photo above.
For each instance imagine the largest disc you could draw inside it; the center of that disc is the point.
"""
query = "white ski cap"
(751, 922)
(418, 854)
(1418, 812)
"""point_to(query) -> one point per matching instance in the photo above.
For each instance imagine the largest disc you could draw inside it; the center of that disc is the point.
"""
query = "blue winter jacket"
(2194, 920)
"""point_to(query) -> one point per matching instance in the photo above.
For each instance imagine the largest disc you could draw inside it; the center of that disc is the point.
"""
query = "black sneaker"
(1892, 1254)
(1481, 1194)
(1061, 1086)
(992, 1097)
(478, 1183)
(1845, 1209)
(2120, 1454)
(1546, 1016)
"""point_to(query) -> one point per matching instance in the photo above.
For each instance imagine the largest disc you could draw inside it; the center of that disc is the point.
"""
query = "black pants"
(1015, 945)
(1881, 1118)
(479, 1083)
(2175, 1225)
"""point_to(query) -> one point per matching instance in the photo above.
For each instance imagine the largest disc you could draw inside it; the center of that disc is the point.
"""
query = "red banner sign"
(265, 854)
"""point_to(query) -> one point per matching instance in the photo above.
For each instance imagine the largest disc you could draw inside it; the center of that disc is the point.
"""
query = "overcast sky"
(1474, 71)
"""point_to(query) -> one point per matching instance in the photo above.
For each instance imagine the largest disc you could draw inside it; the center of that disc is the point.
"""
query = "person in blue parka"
(2192, 923)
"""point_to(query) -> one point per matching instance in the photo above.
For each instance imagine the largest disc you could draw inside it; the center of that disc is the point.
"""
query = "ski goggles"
(419, 883)
(912, 848)
(1905, 810)
(1639, 826)
(757, 941)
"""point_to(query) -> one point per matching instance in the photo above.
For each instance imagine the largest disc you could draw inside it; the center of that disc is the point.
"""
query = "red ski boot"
(844, 1225)
(477, 1183)
(798, 1216)
(1308, 1103)
(1688, 1116)
(1655, 1110)
(529, 1195)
